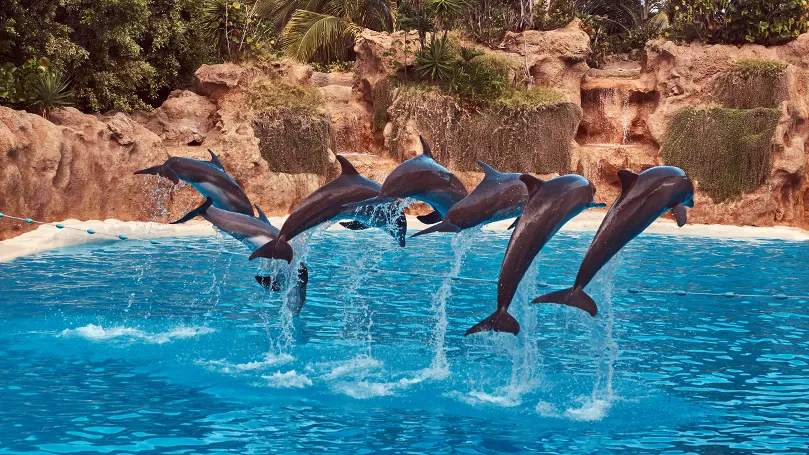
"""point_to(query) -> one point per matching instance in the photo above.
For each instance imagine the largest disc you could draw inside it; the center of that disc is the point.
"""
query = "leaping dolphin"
(643, 199)
(252, 232)
(207, 177)
(328, 203)
(550, 205)
(498, 197)
(423, 179)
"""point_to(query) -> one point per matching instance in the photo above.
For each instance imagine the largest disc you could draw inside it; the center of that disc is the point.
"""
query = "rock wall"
(77, 165)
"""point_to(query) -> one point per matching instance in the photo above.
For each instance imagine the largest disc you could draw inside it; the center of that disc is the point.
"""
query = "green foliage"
(436, 61)
(482, 78)
(50, 92)
(33, 85)
(339, 66)
(752, 83)
(728, 151)
(235, 29)
(273, 95)
(325, 31)
(765, 22)
(118, 54)
(528, 99)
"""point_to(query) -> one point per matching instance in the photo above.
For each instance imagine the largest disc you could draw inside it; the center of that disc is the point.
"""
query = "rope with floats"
(676, 292)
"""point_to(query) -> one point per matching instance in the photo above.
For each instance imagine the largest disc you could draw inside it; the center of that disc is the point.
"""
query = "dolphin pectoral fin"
(445, 226)
(570, 297)
(215, 160)
(532, 183)
(499, 321)
(596, 205)
(161, 170)
(514, 224)
(354, 225)
(679, 214)
(627, 179)
(199, 211)
(431, 218)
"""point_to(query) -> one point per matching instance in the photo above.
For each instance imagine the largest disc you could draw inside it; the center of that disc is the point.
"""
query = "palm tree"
(325, 29)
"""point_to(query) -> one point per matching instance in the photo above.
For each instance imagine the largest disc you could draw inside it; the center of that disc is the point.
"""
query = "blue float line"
(188, 246)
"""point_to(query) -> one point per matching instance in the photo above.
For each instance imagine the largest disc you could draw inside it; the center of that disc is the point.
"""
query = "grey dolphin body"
(423, 179)
(498, 197)
(328, 203)
(643, 199)
(207, 177)
(550, 205)
(252, 232)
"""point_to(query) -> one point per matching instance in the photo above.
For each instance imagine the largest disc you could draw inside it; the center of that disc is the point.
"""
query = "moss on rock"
(728, 151)
(294, 131)
(524, 131)
(752, 83)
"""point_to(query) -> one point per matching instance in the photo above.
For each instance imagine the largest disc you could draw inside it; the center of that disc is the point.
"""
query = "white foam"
(269, 360)
(98, 333)
(478, 397)
(359, 364)
(289, 380)
(364, 390)
(592, 409)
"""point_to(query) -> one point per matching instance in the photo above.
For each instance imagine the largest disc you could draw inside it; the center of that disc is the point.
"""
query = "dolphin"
(643, 199)
(550, 205)
(423, 179)
(328, 203)
(252, 232)
(498, 197)
(207, 177)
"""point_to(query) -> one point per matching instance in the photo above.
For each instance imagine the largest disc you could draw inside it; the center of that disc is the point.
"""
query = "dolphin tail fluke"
(199, 211)
(444, 226)
(575, 297)
(275, 249)
(283, 250)
(499, 321)
(162, 171)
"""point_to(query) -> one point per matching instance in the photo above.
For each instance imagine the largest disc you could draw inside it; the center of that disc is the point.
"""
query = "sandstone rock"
(184, 118)
(377, 56)
(555, 58)
(210, 80)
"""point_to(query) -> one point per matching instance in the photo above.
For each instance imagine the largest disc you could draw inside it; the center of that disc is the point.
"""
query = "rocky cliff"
(277, 127)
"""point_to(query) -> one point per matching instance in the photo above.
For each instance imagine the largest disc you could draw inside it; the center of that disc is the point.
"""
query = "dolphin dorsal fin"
(488, 170)
(533, 183)
(627, 178)
(346, 166)
(261, 215)
(215, 160)
(425, 147)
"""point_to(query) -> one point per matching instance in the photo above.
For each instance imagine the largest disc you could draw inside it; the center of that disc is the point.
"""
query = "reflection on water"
(132, 348)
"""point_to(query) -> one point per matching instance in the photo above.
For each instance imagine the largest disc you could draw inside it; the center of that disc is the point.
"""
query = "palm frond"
(309, 32)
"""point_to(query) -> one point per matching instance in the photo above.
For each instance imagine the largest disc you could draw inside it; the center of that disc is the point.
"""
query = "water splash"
(598, 404)
(439, 367)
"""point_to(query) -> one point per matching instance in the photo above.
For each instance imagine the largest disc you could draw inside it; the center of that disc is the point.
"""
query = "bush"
(34, 86)
(270, 95)
(728, 151)
(119, 54)
(765, 22)
(752, 83)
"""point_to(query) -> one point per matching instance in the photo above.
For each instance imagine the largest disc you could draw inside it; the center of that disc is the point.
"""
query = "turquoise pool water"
(125, 347)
